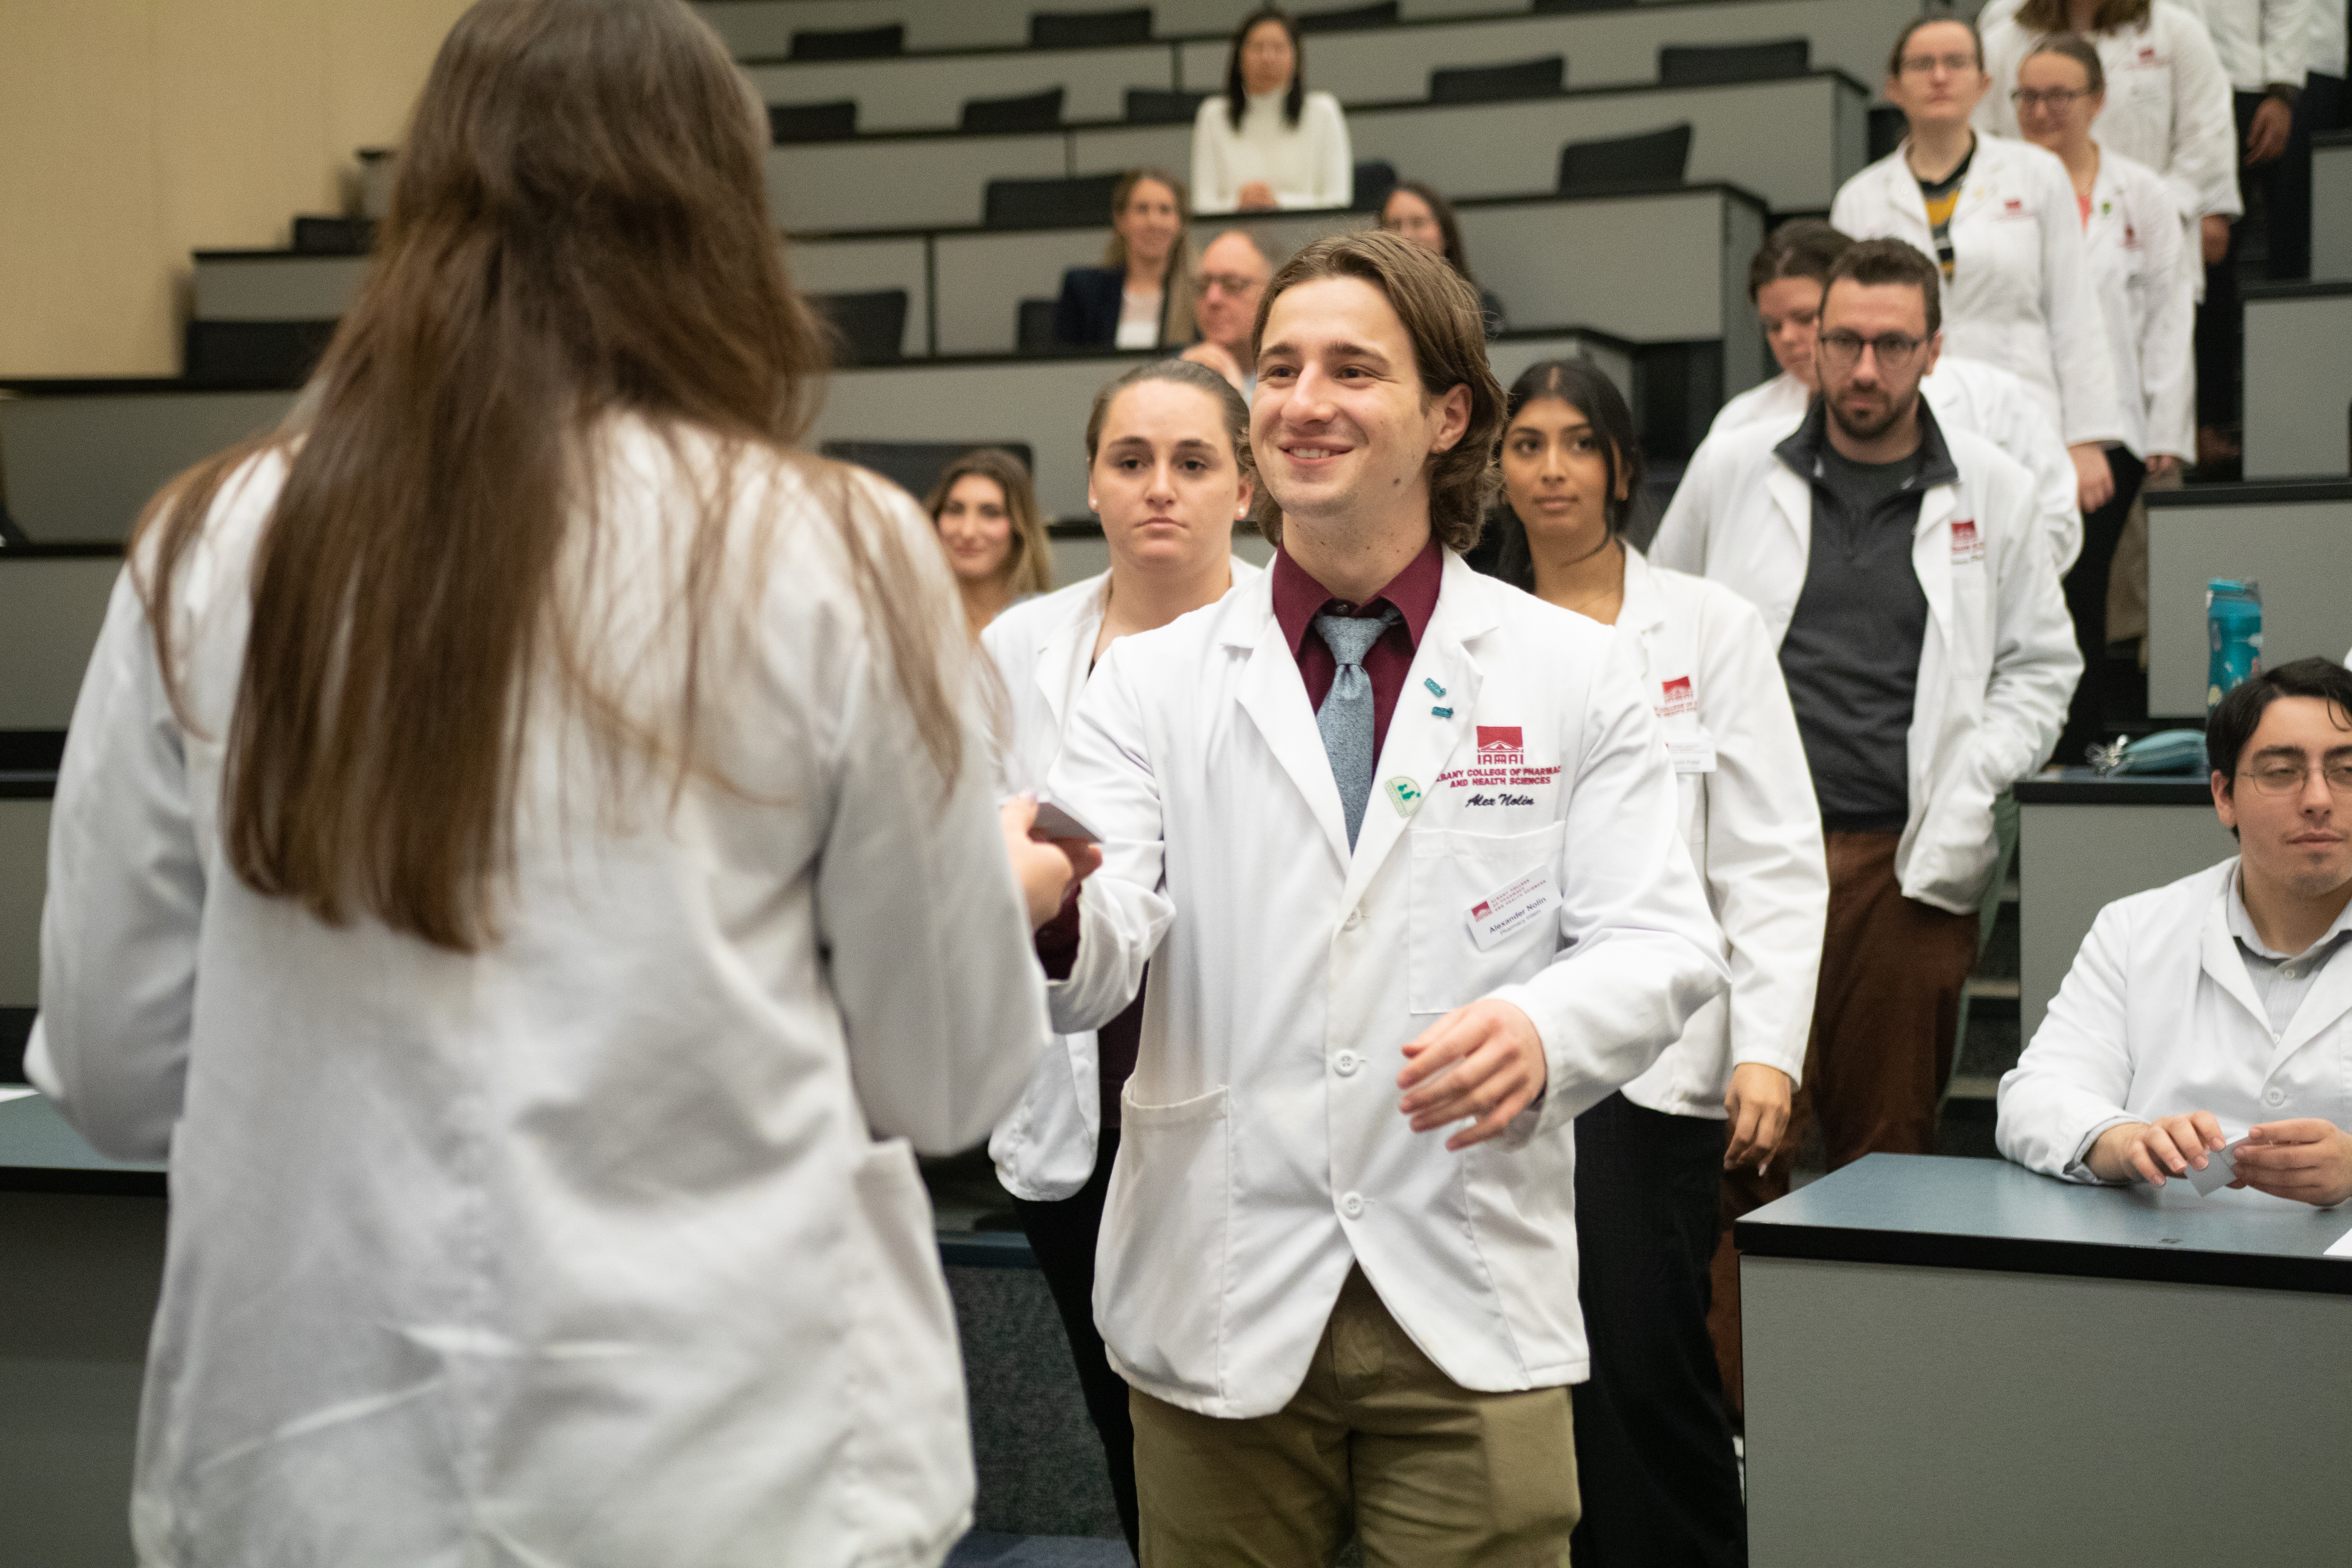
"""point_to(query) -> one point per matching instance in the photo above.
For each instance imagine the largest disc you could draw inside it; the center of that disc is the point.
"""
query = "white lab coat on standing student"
(1262, 1154)
(2147, 282)
(2020, 295)
(1749, 821)
(1044, 649)
(606, 1242)
(2260, 41)
(1998, 663)
(2158, 1017)
(1965, 395)
(2168, 102)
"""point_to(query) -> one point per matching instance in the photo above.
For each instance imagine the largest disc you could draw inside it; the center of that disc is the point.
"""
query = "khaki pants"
(1428, 1473)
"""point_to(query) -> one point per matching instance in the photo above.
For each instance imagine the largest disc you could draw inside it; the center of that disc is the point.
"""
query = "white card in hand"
(2221, 1169)
(1511, 909)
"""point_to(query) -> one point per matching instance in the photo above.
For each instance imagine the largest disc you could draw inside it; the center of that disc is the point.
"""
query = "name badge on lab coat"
(1691, 753)
(1511, 909)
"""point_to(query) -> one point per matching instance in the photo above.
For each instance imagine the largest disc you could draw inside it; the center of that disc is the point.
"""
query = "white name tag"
(1511, 909)
(1691, 753)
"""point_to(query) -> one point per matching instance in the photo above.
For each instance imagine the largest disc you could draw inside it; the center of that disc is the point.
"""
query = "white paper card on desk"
(1511, 909)
(2221, 1169)
(2342, 1247)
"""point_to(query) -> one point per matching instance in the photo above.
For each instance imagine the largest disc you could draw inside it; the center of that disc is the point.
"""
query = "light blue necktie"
(1345, 717)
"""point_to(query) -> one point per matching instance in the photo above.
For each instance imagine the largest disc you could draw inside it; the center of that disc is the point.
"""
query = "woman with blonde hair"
(985, 510)
(526, 852)
(1142, 295)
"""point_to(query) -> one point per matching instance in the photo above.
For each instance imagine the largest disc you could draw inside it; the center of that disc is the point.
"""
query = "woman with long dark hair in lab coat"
(526, 851)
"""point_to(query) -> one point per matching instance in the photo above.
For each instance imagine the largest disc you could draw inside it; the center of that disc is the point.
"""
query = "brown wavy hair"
(2051, 15)
(1440, 314)
(578, 230)
(1176, 280)
(1030, 568)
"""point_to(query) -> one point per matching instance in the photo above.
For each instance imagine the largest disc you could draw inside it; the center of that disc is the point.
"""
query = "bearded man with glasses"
(1930, 658)
(2209, 1024)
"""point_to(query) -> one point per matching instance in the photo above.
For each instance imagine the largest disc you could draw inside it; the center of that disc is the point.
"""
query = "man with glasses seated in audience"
(2210, 1021)
(1233, 279)
(1900, 565)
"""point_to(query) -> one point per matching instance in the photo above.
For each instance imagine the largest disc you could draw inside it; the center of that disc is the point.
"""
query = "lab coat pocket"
(1168, 1209)
(1467, 889)
(899, 1352)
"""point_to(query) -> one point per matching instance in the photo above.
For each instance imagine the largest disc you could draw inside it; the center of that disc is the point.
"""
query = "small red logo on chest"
(1679, 697)
(1495, 740)
(1966, 545)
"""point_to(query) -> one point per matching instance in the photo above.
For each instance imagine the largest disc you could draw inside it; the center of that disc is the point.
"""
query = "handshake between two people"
(1482, 1064)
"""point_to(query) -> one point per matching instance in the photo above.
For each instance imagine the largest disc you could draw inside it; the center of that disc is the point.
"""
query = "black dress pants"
(1063, 1236)
(1654, 1455)
(2087, 600)
(2222, 319)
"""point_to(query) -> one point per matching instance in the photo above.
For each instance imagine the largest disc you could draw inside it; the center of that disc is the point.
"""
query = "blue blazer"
(1086, 315)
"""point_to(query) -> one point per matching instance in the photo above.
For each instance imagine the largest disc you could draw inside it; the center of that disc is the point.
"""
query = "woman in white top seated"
(1142, 295)
(1656, 1464)
(2219, 1008)
(1168, 471)
(2146, 279)
(1266, 142)
(1999, 217)
(527, 853)
(2168, 103)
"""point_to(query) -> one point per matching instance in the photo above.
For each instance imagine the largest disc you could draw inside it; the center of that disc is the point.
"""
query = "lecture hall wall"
(133, 131)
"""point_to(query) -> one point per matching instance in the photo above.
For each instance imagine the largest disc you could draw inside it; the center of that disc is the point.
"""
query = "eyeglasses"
(1894, 350)
(1230, 282)
(1927, 64)
(2047, 98)
(2289, 778)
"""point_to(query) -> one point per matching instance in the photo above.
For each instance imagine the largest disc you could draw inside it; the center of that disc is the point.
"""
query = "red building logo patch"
(1966, 545)
(1498, 742)
(1679, 698)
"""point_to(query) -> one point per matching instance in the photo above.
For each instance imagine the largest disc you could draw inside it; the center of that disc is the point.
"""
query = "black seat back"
(868, 328)
(1379, 16)
(315, 236)
(1375, 178)
(253, 353)
(915, 464)
(850, 43)
(1645, 161)
(1490, 84)
(836, 120)
(1029, 111)
(1702, 65)
(1033, 327)
(1089, 29)
(1050, 203)
(1157, 105)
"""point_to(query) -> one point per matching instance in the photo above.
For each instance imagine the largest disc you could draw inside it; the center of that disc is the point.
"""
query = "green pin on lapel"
(1435, 690)
(1404, 795)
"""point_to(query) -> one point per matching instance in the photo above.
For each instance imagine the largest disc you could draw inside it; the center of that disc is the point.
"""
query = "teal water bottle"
(2233, 637)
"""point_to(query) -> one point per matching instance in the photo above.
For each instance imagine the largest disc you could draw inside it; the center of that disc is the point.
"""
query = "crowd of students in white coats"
(540, 854)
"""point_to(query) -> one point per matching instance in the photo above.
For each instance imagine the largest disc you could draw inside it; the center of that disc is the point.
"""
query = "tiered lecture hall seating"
(1760, 107)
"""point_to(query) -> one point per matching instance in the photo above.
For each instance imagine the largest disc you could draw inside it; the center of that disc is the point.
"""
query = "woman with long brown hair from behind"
(524, 836)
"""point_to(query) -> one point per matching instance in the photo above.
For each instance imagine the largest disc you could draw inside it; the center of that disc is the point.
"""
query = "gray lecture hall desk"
(80, 458)
(2331, 206)
(1667, 265)
(2085, 841)
(1791, 141)
(2298, 379)
(925, 89)
(1960, 1362)
(52, 603)
(2295, 540)
(24, 877)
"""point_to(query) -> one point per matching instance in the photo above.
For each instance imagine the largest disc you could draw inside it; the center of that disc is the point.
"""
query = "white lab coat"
(2146, 274)
(2021, 295)
(582, 1247)
(2158, 1017)
(2261, 42)
(2167, 101)
(1749, 821)
(1964, 395)
(1998, 663)
(1044, 649)
(1260, 1150)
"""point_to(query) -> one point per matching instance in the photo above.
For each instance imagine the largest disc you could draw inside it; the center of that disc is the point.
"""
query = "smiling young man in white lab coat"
(1902, 570)
(2219, 1008)
(1412, 835)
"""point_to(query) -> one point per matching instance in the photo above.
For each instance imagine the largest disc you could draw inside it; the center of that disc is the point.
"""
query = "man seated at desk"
(2195, 1011)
